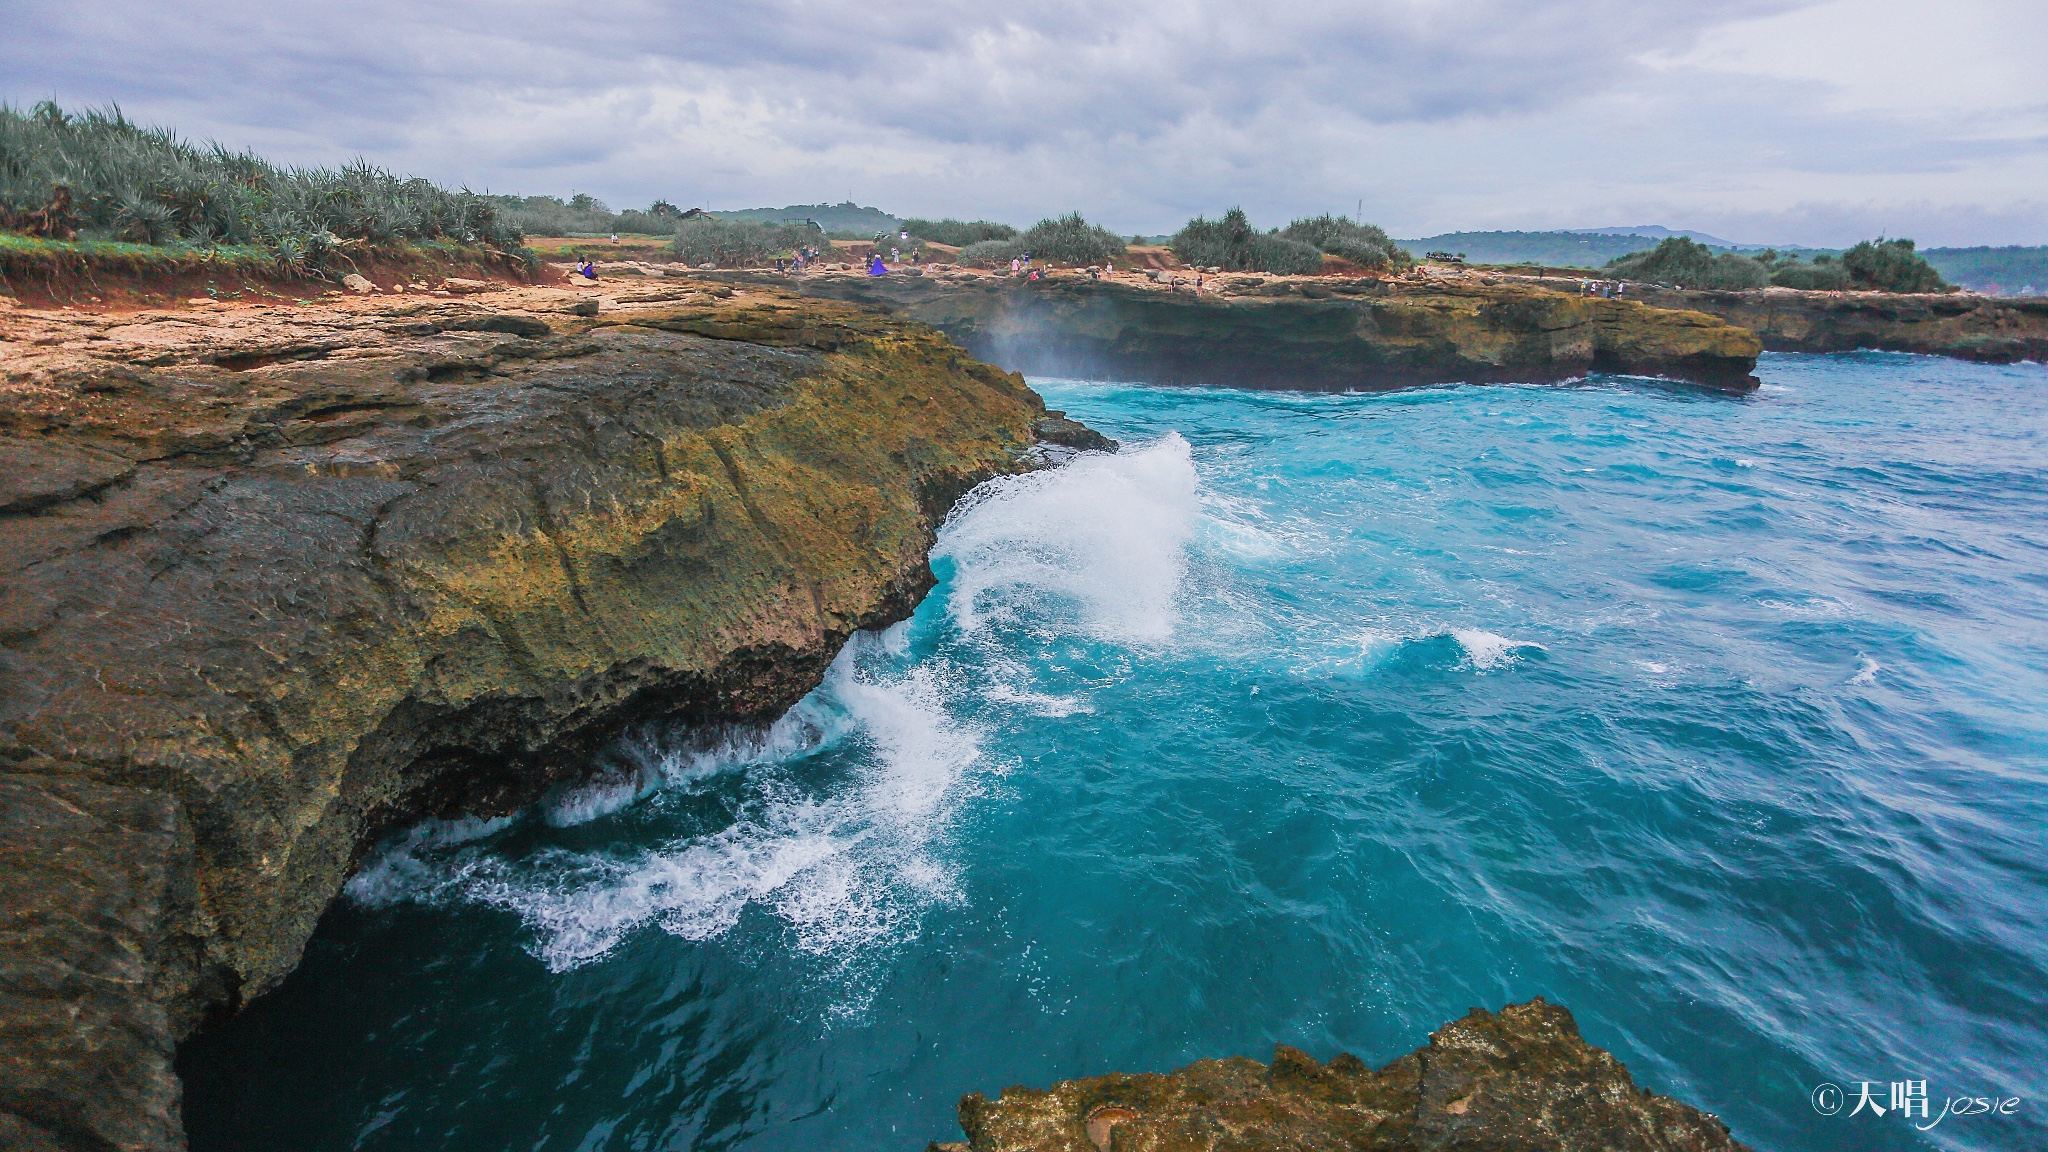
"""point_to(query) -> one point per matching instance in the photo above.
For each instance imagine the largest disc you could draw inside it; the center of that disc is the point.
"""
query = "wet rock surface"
(275, 581)
(1319, 333)
(1520, 1080)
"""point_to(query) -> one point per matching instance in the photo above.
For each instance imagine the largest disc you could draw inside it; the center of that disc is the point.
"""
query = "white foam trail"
(649, 761)
(843, 868)
(1041, 703)
(1867, 674)
(1106, 534)
(1488, 650)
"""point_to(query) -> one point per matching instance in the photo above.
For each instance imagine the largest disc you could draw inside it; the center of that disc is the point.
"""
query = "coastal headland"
(279, 580)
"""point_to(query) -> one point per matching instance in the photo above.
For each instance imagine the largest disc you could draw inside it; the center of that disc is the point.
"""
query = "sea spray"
(843, 861)
(1101, 541)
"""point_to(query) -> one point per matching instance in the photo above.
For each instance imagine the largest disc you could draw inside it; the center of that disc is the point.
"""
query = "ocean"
(1307, 718)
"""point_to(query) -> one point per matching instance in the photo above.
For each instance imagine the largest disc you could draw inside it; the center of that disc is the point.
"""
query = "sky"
(1817, 122)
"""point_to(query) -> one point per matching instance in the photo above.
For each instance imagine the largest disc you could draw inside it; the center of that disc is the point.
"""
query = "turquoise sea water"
(1315, 719)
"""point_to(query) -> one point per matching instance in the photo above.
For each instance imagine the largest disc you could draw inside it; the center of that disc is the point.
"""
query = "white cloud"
(1440, 114)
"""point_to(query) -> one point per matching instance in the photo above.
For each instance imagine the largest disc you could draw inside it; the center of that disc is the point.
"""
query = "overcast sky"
(1768, 121)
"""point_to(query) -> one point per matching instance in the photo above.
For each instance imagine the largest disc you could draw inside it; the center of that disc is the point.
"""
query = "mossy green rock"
(275, 581)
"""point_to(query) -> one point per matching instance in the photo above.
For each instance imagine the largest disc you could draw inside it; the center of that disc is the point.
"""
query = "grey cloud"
(1141, 114)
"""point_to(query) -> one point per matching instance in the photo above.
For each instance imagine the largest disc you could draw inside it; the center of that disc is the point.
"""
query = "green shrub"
(1823, 275)
(105, 178)
(1070, 239)
(1366, 245)
(1891, 266)
(957, 233)
(736, 243)
(1686, 263)
(1233, 245)
(990, 253)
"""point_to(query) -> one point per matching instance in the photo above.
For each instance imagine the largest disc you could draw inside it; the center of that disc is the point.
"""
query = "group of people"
(804, 258)
(1603, 288)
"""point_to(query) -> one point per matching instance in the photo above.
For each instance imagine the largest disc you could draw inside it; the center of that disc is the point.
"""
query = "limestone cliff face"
(272, 581)
(1521, 1080)
(1261, 332)
(1963, 325)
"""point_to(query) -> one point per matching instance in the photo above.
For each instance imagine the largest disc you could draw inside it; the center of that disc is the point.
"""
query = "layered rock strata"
(1963, 325)
(273, 581)
(1521, 1080)
(1308, 333)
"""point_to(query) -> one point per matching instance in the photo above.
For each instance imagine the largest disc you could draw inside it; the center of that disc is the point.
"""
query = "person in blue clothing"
(876, 267)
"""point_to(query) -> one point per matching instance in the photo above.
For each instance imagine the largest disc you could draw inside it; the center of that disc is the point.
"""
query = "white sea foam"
(1042, 703)
(843, 866)
(1487, 650)
(1867, 673)
(650, 760)
(1106, 535)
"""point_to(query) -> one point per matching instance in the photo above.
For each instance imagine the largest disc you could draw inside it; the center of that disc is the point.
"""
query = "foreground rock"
(1308, 333)
(1519, 1081)
(273, 581)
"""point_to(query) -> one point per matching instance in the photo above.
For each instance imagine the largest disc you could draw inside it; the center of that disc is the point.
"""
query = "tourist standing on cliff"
(876, 268)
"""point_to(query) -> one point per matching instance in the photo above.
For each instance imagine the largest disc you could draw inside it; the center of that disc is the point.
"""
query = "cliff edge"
(1316, 333)
(274, 581)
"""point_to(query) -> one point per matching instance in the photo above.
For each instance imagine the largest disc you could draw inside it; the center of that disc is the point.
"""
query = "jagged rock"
(275, 581)
(1521, 1080)
(1055, 428)
(357, 283)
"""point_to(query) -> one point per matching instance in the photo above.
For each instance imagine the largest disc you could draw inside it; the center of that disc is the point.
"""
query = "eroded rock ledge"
(1521, 1080)
(274, 580)
(1295, 333)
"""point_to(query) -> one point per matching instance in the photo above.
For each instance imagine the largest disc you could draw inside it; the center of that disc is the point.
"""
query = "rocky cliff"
(1521, 1080)
(1962, 324)
(1309, 333)
(273, 581)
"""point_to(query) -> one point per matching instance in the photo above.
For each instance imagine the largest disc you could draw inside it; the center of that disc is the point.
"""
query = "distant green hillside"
(1556, 249)
(2006, 271)
(844, 217)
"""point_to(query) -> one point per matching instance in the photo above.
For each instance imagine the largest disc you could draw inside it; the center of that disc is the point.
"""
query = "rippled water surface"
(1308, 718)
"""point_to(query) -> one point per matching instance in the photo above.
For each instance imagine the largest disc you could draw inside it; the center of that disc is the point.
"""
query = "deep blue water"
(1309, 718)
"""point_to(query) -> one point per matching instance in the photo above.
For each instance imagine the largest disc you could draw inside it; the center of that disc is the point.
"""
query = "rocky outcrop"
(273, 581)
(1961, 324)
(1307, 333)
(1521, 1080)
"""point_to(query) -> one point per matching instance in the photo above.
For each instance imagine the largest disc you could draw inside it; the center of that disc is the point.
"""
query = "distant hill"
(844, 217)
(2012, 271)
(1659, 232)
(1556, 249)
